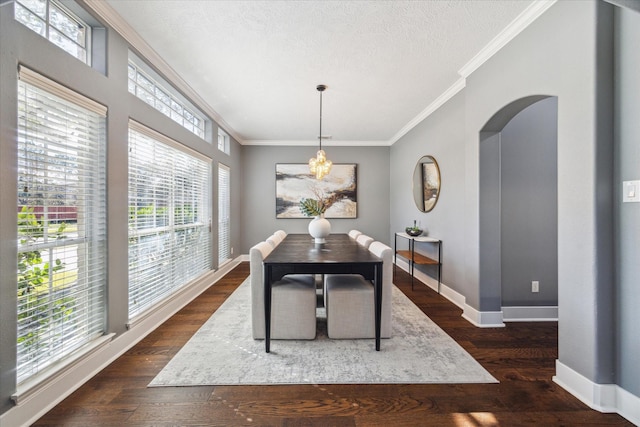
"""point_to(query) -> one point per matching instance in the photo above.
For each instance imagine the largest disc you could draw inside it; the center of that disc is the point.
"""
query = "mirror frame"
(419, 184)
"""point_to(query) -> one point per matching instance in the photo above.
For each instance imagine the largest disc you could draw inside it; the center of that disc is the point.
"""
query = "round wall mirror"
(426, 183)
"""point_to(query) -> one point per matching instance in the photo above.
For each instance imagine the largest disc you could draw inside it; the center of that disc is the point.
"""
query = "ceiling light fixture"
(319, 165)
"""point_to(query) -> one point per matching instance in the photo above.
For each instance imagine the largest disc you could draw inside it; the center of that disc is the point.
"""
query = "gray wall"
(518, 204)
(259, 187)
(441, 136)
(565, 53)
(542, 60)
(627, 218)
(529, 208)
(19, 45)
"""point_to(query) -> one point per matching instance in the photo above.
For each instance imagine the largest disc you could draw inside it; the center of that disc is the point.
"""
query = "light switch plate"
(630, 191)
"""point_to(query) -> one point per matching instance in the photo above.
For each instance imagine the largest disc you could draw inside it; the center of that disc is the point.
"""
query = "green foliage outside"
(38, 305)
(182, 215)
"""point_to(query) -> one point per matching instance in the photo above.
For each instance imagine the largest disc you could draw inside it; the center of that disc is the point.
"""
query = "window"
(223, 141)
(57, 24)
(155, 92)
(169, 218)
(224, 213)
(61, 223)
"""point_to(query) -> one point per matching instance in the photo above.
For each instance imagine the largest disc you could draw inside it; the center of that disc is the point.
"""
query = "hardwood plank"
(521, 356)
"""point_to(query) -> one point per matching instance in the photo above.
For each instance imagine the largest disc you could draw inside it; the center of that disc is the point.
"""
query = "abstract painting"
(294, 182)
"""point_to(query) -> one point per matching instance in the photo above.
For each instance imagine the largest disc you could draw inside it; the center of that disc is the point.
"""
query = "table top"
(417, 238)
(301, 248)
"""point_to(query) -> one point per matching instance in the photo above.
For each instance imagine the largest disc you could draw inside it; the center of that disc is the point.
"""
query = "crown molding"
(521, 22)
(110, 17)
(439, 102)
(332, 143)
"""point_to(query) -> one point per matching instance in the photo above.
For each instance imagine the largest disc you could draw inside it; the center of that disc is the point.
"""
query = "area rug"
(222, 352)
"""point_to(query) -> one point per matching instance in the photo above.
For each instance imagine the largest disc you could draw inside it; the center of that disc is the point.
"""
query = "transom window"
(156, 93)
(223, 141)
(57, 24)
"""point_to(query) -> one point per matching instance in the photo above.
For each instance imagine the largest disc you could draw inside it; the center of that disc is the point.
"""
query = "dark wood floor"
(521, 356)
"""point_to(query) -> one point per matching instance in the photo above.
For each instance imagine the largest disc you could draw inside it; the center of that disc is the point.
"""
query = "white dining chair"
(274, 240)
(364, 240)
(354, 234)
(350, 301)
(293, 301)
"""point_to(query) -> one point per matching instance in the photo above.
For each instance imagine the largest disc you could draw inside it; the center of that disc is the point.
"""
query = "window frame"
(224, 143)
(165, 98)
(225, 251)
(48, 26)
(163, 220)
(52, 157)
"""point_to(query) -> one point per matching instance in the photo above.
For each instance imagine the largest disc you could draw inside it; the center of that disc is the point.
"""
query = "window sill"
(57, 370)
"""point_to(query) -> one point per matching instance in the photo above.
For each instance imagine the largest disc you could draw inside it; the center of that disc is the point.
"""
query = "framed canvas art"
(294, 183)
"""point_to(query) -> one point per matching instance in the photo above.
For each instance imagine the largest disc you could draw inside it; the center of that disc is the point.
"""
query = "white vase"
(320, 228)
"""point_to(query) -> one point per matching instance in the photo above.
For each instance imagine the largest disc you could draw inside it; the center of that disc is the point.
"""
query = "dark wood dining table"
(299, 254)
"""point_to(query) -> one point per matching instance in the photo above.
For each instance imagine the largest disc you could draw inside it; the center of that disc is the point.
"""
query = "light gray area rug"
(223, 352)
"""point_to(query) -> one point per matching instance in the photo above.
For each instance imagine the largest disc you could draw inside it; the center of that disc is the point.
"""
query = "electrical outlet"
(535, 286)
(231, 251)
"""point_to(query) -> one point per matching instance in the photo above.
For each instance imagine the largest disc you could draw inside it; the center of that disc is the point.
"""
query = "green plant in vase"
(413, 231)
(317, 206)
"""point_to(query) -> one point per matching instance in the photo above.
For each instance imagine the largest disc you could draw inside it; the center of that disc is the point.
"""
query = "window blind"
(169, 217)
(61, 218)
(224, 213)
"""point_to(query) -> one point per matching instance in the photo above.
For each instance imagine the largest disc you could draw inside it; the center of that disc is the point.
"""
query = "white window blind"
(61, 223)
(224, 213)
(169, 218)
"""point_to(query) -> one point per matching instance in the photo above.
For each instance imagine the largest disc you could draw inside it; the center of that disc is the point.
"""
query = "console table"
(416, 258)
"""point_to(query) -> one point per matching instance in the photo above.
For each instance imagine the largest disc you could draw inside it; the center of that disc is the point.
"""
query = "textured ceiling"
(257, 63)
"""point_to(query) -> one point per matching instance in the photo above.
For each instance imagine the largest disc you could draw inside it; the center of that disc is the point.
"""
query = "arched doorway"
(518, 210)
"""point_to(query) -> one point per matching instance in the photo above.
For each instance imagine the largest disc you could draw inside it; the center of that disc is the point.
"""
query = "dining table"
(340, 254)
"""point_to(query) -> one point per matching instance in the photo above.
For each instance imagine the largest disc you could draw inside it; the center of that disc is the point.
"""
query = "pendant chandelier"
(320, 165)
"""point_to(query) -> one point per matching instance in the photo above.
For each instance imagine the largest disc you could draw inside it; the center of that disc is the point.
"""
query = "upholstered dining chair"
(364, 240)
(354, 234)
(350, 304)
(293, 301)
(274, 240)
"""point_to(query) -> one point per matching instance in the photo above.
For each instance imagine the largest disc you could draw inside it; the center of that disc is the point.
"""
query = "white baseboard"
(483, 319)
(601, 397)
(530, 314)
(486, 319)
(41, 399)
(423, 279)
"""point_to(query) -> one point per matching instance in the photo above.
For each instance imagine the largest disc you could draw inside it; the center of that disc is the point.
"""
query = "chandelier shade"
(320, 166)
